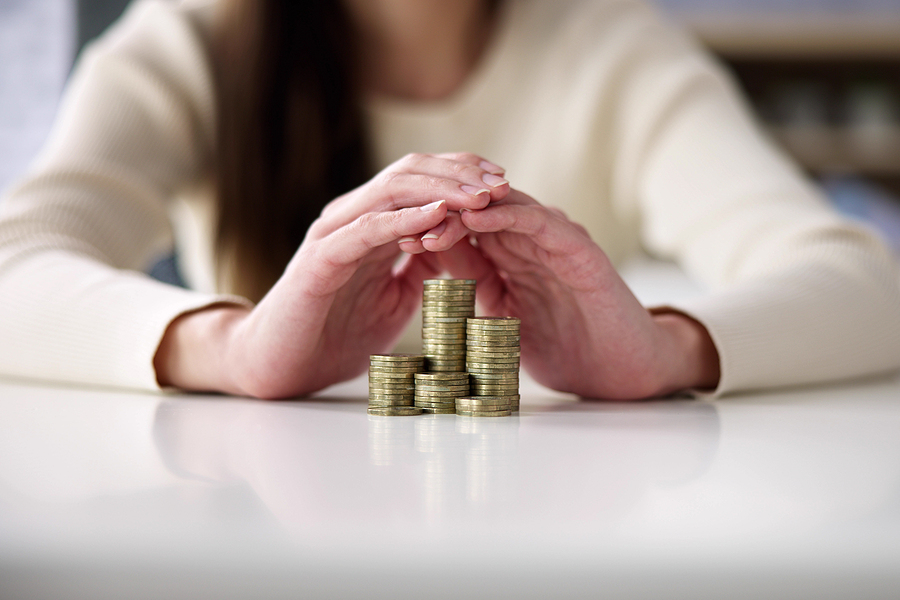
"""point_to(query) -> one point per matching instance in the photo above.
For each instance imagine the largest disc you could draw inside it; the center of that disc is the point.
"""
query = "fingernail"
(491, 167)
(403, 240)
(493, 180)
(435, 233)
(433, 206)
(462, 210)
(471, 189)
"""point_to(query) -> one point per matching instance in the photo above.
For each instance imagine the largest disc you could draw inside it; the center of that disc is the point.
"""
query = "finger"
(547, 230)
(411, 244)
(465, 261)
(474, 159)
(353, 242)
(519, 197)
(398, 190)
(464, 180)
(511, 253)
(445, 235)
(472, 178)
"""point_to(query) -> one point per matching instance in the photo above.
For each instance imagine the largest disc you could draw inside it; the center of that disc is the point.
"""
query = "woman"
(276, 109)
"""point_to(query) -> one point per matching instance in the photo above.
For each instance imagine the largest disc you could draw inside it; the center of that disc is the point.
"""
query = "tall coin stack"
(492, 361)
(392, 384)
(446, 303)
(436, 393)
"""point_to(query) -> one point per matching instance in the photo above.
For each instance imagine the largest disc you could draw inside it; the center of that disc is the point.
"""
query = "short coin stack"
(392, 384)
(484, 406)
(436, 393)
(492, 361)
(446, 303)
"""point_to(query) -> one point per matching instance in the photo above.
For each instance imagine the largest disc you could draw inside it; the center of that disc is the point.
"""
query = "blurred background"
(823, 75)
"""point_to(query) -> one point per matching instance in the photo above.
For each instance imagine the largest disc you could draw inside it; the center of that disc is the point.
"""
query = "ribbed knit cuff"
(794, 329)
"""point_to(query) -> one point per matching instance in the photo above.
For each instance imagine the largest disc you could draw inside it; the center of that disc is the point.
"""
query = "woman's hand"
(343, 296)
(583, 331)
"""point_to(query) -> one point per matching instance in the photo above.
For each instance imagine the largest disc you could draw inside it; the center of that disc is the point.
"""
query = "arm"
(133, 128)
(797, 295)
(583, 331)
(343, 296)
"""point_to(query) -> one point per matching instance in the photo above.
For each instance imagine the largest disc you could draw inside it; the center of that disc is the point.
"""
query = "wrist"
(689, 358)
(196, 350)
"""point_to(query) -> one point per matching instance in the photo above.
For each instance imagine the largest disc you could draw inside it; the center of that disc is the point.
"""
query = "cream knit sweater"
(594, 106)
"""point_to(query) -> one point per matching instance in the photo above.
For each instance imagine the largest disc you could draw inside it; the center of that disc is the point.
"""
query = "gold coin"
(488, 335)
(441, 304)
(499, 351)
(500, 364)
(429, 319)
(439, 411)
(396, 411)
(485, 401)
(391, 390)
(428, 282)
(386, 403)
(396, 357)
(476, 342)
(492, 413)
(441, 387)
(495, 321)
(491, 397)
(460, 391)
(463, 376)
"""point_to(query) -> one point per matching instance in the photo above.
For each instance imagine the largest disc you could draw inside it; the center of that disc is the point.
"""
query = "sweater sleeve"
(796, 294)
(134, 128)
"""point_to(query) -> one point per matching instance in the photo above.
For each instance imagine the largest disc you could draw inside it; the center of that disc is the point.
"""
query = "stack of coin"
(446, 303)
(437, 392)
(392, 384)
(492, 358)
(484, 406)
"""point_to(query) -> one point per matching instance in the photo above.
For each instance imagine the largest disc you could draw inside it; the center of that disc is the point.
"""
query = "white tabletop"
(111, 494)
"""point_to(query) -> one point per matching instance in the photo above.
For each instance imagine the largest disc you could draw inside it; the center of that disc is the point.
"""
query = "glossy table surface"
(112, 494)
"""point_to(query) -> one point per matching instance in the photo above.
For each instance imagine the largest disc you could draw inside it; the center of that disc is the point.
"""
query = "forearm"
(68, 318)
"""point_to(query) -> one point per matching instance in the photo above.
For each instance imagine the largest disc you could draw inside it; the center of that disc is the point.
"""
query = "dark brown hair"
(290, 132)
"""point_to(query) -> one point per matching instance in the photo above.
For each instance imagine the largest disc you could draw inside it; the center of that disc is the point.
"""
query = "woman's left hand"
(583, 331)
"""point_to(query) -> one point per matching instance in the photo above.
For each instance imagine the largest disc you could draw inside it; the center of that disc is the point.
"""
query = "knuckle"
(389, 177)
(468, 157)
(433, 182)
(365, 222)
(459, 169)
(315, 230)
(414, 159)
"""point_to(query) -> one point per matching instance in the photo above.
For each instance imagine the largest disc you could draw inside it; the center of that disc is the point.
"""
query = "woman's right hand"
(343, 296)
